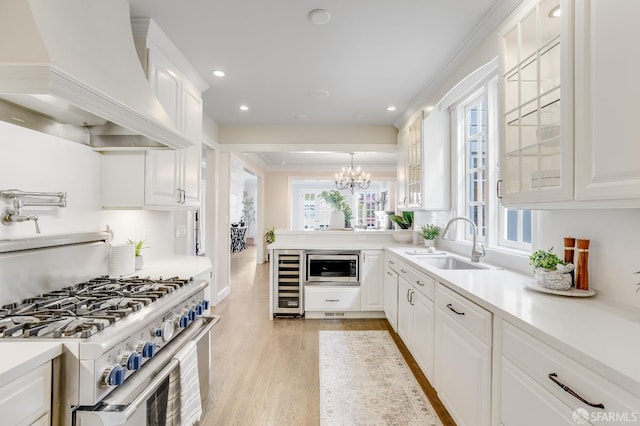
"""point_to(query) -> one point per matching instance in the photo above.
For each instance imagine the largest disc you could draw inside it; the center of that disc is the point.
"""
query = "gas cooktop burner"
(83, 309)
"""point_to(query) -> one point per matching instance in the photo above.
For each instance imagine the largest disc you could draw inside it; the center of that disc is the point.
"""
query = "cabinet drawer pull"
(419, 283)
(403, 271)
(552, 377)
(392, 262)
(411, 298)
(450, 306)
(331, 300)
(389, 273)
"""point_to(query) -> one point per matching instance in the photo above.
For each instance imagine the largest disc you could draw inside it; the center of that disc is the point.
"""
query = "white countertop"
(24, 356)
(18, 358)
(602, 336)
(180, 266)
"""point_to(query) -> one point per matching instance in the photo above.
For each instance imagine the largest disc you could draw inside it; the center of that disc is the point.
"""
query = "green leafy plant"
(545, 259)
(429, 231)
(269, 236)
(139, 245)
(337, 201)
(404, 221)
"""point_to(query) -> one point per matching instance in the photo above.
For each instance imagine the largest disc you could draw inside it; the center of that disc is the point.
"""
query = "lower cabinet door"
(422, 326)
(404, 312)
(391, 297)
(462, 372)
(332, 298)
(525, 403)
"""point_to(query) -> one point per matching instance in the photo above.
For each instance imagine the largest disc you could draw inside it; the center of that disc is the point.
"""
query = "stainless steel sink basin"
(449, 263)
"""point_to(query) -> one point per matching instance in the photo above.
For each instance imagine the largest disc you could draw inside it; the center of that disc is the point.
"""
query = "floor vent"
(334, 314)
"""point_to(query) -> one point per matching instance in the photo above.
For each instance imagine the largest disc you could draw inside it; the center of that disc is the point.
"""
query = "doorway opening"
(243, 218)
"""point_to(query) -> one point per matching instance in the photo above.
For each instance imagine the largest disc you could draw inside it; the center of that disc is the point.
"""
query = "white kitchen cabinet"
(462, 364)
(607, 97)
(536, 72)
(27, 400)
(153, 179)
(372, 280)
(391, 292)
(416, 318)
(404, 142)
(166, 83)
(538, 380)
(526, 403)
(331, 299)
(424, 163)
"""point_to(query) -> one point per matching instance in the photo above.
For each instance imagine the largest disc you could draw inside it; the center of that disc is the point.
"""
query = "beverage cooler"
(288, 270)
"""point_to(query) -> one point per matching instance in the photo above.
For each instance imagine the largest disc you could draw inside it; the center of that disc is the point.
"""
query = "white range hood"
(75, 61)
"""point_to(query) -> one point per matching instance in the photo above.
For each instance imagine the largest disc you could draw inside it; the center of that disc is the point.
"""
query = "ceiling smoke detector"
(319, 16)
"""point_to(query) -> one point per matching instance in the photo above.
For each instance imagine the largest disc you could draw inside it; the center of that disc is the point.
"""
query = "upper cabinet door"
(607, 99)
(404, 137)
(166, 84)
(536, 72)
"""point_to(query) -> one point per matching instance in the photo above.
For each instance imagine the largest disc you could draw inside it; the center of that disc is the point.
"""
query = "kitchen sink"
(449, 263)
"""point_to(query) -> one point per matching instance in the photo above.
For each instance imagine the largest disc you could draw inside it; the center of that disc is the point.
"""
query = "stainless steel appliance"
(119, 335)
(288, 282)
(332, 267)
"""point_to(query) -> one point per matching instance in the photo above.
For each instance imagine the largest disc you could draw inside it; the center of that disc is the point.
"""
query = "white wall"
(33, 161)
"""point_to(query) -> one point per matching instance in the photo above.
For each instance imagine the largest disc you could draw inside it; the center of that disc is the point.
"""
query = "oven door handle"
(164, 373)
(116, 404)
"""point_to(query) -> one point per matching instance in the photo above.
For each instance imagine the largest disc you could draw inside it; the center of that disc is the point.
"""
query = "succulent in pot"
(429, 232)
(550, 271)
(139, 246)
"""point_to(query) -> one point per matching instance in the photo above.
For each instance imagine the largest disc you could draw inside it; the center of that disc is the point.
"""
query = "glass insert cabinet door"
(536, 100)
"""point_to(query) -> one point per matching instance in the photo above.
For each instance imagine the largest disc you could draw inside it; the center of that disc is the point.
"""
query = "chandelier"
(352, 178)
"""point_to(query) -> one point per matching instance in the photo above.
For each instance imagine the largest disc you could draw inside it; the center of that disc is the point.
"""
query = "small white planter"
(553, 279)
(336, 220)
(403, 235)
(428, 243)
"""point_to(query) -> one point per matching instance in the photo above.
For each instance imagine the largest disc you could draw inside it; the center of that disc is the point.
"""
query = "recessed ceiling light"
(319, 16)
(555, 12)
(319, 94)
(244, 108)
(391, 108)
(218, 73)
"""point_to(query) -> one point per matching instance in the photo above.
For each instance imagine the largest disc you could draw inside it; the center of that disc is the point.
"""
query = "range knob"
(198, 308)
(192, 315)
(183, 321)
(147, 349)
(113, 376)
(131, 360)
(205, 304)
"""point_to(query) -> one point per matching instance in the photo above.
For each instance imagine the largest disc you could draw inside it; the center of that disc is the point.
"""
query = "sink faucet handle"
(482, 252)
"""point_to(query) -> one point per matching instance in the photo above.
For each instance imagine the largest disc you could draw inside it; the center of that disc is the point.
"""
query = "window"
(475, 133)
(308, 211)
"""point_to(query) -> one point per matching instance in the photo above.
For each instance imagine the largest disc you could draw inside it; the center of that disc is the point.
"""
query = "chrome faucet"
(476, 253)
(10, 217)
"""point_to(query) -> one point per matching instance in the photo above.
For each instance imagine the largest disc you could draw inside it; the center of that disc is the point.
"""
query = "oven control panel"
(129, 356)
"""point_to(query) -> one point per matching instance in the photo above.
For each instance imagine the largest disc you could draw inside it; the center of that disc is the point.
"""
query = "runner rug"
(364, 380)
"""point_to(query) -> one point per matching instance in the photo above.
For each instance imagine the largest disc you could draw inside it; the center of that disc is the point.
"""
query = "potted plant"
(550, 271)
(429, 232)
(404, 226)
(139, 246)
(342, 214)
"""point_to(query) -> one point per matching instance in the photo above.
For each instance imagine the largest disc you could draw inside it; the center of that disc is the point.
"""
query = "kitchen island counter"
(346, 239)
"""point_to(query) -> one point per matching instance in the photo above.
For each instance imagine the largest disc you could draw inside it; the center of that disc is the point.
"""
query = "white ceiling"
(372, 54)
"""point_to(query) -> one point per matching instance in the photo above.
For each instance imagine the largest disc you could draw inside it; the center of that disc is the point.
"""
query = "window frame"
(495, 219)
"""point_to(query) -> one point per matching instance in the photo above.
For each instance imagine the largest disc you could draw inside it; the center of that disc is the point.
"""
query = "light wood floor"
(266, 372)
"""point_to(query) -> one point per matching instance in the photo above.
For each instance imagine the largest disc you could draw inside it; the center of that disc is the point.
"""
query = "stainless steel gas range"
(120, 335)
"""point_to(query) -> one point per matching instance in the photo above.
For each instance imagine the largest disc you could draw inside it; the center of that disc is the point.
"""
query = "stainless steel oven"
(333, 267)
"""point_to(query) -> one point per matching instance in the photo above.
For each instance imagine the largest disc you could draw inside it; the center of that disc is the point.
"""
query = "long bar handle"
(8, 193)
(450, 306)
(552, 377)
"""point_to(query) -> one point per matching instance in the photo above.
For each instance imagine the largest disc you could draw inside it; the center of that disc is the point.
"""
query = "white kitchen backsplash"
(34, 161)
